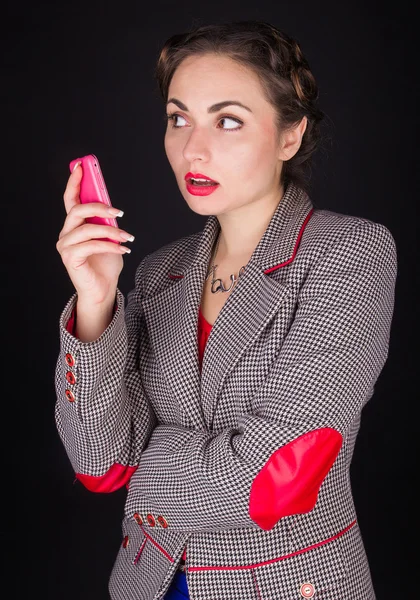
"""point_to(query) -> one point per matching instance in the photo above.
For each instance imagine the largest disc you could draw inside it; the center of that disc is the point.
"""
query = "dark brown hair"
(278, 61)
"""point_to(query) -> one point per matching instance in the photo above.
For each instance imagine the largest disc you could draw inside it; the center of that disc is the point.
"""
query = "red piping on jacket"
(295, 249)
(283, 264)
(273, 560)
(139, 552)
(158, 546)
(256, 585)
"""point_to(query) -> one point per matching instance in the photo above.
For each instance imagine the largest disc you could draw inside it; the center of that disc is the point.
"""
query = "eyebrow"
(211, 109)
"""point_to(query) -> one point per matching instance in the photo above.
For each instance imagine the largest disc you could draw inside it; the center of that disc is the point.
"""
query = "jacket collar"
(276, 247)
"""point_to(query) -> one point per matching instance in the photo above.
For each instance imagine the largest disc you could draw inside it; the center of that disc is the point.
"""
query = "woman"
(236, 459)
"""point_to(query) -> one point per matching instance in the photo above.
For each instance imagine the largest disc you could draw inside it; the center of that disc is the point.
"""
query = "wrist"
(92, 319)
(85, 304)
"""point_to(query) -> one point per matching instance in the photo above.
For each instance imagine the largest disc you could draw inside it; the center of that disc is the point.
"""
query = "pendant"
(217, 284)
(220, 287)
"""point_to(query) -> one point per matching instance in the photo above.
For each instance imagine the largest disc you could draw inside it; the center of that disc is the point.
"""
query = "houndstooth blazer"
(246, 463)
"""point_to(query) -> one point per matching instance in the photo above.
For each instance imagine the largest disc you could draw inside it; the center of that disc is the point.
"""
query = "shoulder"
(327, 229)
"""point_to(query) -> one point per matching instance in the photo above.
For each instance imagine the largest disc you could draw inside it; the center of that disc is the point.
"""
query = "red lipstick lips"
(199, 184)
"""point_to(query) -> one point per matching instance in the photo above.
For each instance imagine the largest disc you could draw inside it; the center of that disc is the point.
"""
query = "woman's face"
(236, 146)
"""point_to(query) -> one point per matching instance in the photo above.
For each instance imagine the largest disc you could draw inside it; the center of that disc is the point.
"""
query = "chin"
(203, 209)
(205, 205)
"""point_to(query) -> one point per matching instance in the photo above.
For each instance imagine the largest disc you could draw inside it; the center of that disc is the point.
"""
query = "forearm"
(206, 482)
(101, 420)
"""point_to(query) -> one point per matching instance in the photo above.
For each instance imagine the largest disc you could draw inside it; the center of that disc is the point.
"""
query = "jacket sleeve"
(275, 461)
(102, 414)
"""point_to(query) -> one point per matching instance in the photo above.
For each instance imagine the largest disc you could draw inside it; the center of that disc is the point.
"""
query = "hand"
(94, 265)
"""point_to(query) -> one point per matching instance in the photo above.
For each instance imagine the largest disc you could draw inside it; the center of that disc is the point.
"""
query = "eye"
(227, 123)
(231, 123)
(173, 117)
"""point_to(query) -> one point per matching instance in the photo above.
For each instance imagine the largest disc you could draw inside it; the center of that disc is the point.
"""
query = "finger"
(75, 256)
(79, 212)
(89, 231)
(72, 191)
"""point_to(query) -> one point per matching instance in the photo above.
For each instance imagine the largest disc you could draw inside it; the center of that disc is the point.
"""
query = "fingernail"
(76, 165)
(127, 236)
(115, 212)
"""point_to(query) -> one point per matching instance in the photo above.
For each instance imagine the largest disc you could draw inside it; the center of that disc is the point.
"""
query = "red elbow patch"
(112, 480)
(289, 481)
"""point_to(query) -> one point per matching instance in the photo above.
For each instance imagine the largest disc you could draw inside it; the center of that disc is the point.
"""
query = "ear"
(291, 140)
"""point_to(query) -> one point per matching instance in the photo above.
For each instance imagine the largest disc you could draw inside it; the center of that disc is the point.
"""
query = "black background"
(78, 78)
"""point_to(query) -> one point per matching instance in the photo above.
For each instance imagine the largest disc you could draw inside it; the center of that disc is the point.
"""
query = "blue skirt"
(178, 589)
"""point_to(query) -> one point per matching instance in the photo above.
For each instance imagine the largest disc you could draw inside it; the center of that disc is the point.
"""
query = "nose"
(197, 147)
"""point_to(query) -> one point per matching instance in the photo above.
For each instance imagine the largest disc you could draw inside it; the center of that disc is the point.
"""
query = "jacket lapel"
(172, 314)
(255, 299)
(249, 308)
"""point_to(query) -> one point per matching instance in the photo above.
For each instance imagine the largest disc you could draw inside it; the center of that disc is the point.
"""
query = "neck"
(242, 229)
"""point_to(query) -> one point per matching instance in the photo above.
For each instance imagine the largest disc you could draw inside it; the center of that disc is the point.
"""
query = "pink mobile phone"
(93, 188)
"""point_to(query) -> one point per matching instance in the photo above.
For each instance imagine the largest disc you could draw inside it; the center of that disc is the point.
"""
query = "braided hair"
(278, 61)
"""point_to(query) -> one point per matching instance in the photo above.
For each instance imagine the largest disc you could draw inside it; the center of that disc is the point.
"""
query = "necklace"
(217, 284)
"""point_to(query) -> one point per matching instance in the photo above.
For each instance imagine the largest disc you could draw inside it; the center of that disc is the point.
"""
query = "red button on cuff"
(70, 359)
(151, 520)
(162, 521)
(138, 518)
(125, 542)
(70, 377)
(70, 396)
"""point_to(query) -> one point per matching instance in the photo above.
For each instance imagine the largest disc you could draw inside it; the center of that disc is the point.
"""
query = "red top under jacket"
(203, 333)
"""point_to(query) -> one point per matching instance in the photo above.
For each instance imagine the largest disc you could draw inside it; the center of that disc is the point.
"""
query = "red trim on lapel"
(283, 264)
(295, 249)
